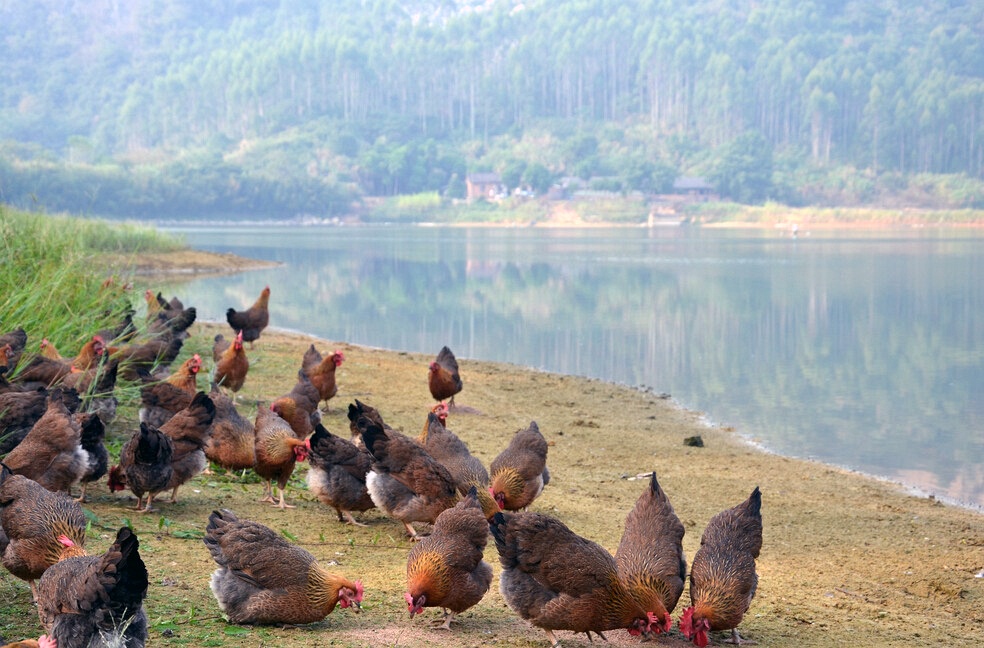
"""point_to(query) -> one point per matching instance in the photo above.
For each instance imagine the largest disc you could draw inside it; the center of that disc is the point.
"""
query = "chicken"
(145, 465)
(93, 435)
(443, 379)
(404, 481)
(159, 401)
(51, 453)
(20, 410)
(253, 320)
(360, 409)
(446, 569)
(299, 407)
(48, 371)
(17, 339)
(337, 475)
(231, 440)
(441, 412)
(96, 386)
(37, 527)
(557, 580)
(6, 353)
(188, 431)
(277, 451)
(321, 371)
(97, 600)
(520, 471)
(152, 355)
(650, 555)
(168, 317)
(231, 363)
(445, 446)
(155, 303)
(722, 576)
(264, 579)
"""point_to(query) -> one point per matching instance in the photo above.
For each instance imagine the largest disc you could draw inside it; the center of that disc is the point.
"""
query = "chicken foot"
(737, 640)
(346, 517)
(283, 505)
(267, 493)
(444, 623)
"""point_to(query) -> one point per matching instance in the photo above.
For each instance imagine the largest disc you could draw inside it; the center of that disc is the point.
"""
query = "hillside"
(285, 108)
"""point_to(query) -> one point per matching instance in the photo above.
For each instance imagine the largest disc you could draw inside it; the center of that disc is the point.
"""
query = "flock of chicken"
(53, 412)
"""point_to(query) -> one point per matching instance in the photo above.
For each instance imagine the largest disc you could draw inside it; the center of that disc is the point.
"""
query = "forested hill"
(328, 101)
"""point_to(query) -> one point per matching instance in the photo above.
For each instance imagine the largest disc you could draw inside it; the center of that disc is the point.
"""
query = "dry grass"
(846, 560)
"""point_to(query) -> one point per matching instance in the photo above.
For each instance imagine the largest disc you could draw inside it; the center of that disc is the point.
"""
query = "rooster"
(231, 363)
(722, 576)
(277, 451)
(443, 378)
(520, 471)
(405, 482)
(253, 320)
(145, 465)
(321, 371)
(37, 527)
(650, 555)
(446, 568)
(262, 578)
(557, 580)
(337, 475)
(97, 600)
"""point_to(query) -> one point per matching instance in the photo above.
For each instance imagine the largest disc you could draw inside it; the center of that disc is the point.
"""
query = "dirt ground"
(846, 560)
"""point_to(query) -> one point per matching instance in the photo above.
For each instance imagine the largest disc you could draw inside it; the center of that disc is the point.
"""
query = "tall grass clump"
(52, 282)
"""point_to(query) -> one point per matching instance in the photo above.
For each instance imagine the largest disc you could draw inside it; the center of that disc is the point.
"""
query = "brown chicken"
(51, 453)
(17, 339)
(96, 386)
(445, 446)
(443, 379)
(253, 320)
(49, 371)
(441, 412)
(404, 481)
(97, 600)
(337, 475)
(722, 576)
(360, 409)
(153, 355)
(299, 407)
(557, 580)
(145, 465)
(520, 471)
(188, 431)
(321, 371)
(262, 578)
(277, 451)
(232, 438)
(650, 555)
(159, 401)
(446, 569)
(20, 410)
(37, 527)
(231, 363)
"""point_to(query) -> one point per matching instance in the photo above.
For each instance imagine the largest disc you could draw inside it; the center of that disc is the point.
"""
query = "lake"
(858, 349)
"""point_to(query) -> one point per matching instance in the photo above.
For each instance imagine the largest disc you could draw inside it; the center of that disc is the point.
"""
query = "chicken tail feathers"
(125, 570)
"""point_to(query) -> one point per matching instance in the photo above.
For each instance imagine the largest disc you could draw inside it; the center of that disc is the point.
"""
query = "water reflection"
(861, 351)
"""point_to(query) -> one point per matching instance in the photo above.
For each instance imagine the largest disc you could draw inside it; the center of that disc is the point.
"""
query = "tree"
(743, 170)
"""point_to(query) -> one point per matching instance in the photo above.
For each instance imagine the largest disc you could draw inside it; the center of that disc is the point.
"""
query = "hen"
(96, 386)
(20, 410)
(443, 379)
(277, 451)
(405, 482)
(446, 569)
(97, 601)
(357, 410)
(188, 431)
(558, 580)
(650, 555)
(231, 440)
(51, 453)
(253, 320)
(145, 465)
(50, 371)
(321, 371)
(93, 435)
(152, 355)
(17, 339)
(337, 475)
(159, 401)
(520, 471)
(231, 363)
(299, 407)
(264, 579)
(37, 527)
(445, 446)
(722, 576)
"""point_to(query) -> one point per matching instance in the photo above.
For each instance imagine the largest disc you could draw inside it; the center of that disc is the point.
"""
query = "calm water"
(859, 350)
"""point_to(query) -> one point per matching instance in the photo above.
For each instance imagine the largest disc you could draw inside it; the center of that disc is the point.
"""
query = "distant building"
(694, 188)
(484, 185)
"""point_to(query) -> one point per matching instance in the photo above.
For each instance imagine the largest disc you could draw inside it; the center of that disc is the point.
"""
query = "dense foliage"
(302, 107)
